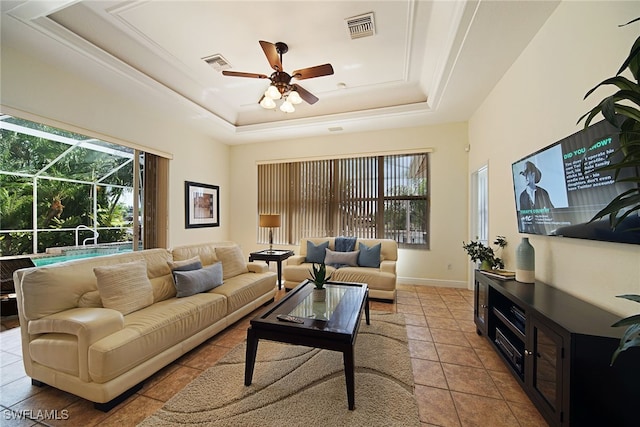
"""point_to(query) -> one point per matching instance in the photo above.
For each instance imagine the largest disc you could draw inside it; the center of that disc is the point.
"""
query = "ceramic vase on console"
(485, 265)
(525, 262)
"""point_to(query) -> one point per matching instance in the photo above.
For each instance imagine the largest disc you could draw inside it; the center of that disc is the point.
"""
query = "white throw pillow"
(124, 287)
(341, 259)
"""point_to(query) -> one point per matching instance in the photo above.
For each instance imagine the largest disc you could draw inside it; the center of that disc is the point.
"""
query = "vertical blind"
(368, 197)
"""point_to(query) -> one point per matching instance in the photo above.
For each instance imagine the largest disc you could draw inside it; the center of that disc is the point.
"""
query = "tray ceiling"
(427, 61)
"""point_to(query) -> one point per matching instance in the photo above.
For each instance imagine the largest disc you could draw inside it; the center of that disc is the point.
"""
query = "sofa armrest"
(388, 267)
(296, 260)
(255, 267)
(87, 324)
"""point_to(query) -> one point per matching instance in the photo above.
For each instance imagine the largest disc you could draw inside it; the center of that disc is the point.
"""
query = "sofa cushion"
(369, 256)
(373, 277)
(316, 253)
(58, 287)
(340, 259)
(191, 282)
(243, 289)
(57, 351)
(186, 264)
(152, 330)
(124, 287)
(233, 261)
(205, 251)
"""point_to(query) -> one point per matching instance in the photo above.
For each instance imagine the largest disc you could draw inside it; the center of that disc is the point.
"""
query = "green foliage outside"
(60, 204)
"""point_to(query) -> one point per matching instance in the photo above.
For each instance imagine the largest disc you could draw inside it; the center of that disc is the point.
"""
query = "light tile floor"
(460, 380)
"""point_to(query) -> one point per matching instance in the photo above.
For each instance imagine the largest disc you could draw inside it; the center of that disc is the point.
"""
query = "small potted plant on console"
(487, 258)
(319, 278)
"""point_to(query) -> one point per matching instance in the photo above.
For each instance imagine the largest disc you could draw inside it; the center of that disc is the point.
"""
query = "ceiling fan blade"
(241, 74)
(305, 94)
(272, 55)
(317, 71)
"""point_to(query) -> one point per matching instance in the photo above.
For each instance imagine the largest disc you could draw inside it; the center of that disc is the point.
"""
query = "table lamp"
(270, 221)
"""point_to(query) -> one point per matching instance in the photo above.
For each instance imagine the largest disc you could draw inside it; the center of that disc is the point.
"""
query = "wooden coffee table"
(331, 325)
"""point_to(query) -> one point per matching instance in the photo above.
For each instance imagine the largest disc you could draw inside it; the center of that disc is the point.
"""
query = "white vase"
(319, 295)
(525, 262)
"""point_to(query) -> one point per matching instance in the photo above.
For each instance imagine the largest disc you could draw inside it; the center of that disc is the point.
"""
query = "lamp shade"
(270, 220)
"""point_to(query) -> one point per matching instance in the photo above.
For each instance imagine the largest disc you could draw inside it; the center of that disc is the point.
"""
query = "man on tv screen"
(533, 196)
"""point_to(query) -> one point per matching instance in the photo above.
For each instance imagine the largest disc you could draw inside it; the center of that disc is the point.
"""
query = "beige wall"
(59, 98)
(445, 262)
(537, 103)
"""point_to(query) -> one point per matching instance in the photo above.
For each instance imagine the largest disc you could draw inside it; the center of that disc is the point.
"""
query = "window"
(480, 205)
(369, 197)
(59, 188)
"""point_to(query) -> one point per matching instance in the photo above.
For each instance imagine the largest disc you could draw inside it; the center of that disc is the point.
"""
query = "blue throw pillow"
(369, 256)
(316, 253)
(193, 282)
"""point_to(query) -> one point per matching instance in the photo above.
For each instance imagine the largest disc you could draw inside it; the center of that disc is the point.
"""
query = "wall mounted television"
(569, 189)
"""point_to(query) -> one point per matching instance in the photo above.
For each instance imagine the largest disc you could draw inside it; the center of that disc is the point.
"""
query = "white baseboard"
(432, 282)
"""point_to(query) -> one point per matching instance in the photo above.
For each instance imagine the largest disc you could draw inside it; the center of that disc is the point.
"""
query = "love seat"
(379, 274)
(78, 336)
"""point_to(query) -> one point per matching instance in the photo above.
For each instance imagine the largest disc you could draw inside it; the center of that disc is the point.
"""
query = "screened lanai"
(63, 189)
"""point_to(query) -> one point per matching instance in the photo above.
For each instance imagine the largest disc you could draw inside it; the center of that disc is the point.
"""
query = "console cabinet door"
(481, 305)
(545, 353)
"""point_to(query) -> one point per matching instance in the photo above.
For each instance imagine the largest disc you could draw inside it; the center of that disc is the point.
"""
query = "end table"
(272, 255)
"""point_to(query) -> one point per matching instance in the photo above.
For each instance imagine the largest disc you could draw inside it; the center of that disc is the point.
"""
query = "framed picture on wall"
(202, 205)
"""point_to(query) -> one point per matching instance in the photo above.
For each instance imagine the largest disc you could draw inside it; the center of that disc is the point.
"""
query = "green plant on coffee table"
(319, 275)
(478, 252)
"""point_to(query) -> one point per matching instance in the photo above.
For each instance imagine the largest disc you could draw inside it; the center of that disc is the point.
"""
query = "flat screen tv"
(559, 189)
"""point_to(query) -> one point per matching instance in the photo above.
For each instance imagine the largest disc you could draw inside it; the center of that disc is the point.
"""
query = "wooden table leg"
(366, 308)
(279, 274)
(252, 350)
(349, 374)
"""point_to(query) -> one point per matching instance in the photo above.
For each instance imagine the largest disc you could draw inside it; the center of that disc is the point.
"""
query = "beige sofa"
(72, 342)
(381, 280)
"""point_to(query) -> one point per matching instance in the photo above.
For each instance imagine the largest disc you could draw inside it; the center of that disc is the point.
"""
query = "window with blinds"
(369, 197)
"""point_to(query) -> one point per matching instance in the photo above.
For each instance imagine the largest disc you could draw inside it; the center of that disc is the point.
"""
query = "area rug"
(302, 386)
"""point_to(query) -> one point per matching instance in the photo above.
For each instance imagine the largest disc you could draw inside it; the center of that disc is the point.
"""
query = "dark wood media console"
(559, 349)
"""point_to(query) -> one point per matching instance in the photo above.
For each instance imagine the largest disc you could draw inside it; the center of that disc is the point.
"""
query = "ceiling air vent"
(218, 62)
(361, 26)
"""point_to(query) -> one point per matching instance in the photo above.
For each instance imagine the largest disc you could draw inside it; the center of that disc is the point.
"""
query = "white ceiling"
(428, 62)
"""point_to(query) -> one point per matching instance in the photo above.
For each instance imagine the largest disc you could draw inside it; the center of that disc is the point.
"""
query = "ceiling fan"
(281, 86)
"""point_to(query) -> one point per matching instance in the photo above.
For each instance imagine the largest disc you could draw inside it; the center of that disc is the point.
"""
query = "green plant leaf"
(621, 82)
(630, 297)
(634, 53)
(635, 342)
(631, 320)
(618, 204)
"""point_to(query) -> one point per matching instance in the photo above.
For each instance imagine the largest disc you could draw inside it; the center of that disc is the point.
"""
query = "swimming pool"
(73, 253)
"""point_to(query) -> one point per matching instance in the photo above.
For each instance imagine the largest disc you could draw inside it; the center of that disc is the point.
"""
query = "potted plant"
(478, 252)
(621, 110)
(319, 278)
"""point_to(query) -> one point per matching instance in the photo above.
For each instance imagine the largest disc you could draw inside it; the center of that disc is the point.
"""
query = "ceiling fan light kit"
(281, 86)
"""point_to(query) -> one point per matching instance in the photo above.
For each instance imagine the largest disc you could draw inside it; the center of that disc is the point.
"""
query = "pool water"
(79, 253)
